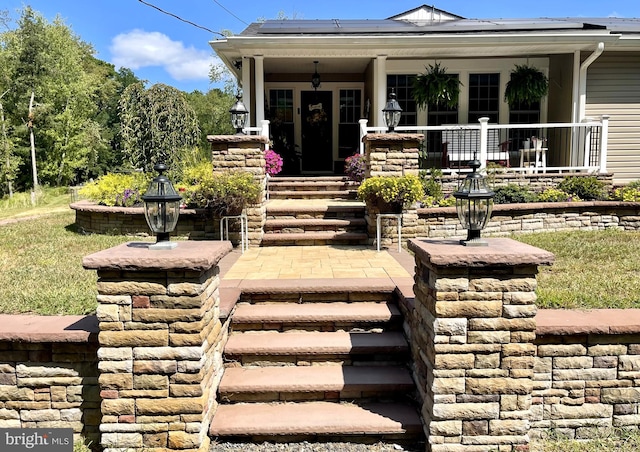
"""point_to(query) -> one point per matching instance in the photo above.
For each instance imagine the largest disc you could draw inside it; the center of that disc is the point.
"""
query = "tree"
(157, 125)
(212, 110)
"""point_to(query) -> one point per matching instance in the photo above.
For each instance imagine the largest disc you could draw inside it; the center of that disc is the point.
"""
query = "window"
(348, 127)
(523, 114)
(281, 128)
(484, 97)
(403, 86)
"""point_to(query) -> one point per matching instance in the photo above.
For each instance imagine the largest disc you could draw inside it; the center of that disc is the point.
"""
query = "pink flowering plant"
(354, 167)
(273, 162)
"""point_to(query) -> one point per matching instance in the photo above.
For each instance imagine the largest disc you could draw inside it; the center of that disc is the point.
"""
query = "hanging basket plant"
(527, 85)
(436, 87)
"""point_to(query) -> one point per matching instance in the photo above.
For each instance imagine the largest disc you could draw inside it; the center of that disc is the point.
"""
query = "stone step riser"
(383, 395)
(274, 188)
(327, 327)
(382, 359)
(311, 195)
(324, 297)
(273, 240)
(346, 215)
(313, 228)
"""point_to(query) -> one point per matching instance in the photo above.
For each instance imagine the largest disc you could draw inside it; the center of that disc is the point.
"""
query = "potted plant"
(436, 87)
(390, 193)
(527, 85)
(222, 194)
(354, 167)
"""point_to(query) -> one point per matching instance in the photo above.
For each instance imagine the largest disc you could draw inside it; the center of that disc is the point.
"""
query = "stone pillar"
(392, 154)
(472, 342)
(160, 344)
(244, 153)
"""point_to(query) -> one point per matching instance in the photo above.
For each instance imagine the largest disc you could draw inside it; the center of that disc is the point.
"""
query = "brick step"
(316, 420)
(312, 194)
(296, 348)
(311, 291)
(316, 316)
(262, 384)
(302, 211)
(336, 185)
(314, 224)
(309, 179)
(315, 238)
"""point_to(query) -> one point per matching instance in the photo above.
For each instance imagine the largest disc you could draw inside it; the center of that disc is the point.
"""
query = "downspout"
(580, 94)
(583, 79)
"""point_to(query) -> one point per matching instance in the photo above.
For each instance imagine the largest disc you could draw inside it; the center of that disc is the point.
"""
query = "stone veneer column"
(392, 154)
(160, 355)
(244, 153)
(472, 337)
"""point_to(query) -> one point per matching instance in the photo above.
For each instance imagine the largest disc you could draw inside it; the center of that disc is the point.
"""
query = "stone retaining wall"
(442, 222)
(49, 374)
(586, 372)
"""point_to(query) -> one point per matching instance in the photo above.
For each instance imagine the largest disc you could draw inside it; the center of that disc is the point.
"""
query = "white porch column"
(259, 59)
(379, 90)
(246, 85)
(604, 143)
(484, 136)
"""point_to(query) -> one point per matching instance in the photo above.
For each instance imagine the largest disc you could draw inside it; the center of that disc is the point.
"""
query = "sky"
(162, 49)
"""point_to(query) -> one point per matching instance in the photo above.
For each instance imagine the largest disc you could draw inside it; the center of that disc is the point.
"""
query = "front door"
(317, 146)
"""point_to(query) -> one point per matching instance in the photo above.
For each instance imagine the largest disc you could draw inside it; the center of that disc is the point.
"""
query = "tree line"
(79, 117)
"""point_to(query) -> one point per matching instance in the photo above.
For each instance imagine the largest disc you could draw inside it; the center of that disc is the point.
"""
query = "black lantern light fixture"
(392, 112)
(239, 115)
(474, 202)
(161, 209)
(315, 78)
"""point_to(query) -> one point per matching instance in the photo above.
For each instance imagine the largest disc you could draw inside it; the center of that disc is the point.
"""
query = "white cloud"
(138, 48)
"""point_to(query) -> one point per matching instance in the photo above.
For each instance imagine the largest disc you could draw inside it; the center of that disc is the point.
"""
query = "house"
(314, 80)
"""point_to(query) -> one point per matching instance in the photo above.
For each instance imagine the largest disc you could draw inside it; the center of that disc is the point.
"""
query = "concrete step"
(315, 238)
(316, 316)
(287, 383)
(304, 348)
(316, 419)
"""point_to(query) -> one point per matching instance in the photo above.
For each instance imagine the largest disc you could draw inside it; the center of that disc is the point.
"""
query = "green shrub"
(513, 193)
(588, 188)
(432, 183)
(392, 189)
(111, 189)
(221, 193)
(556, 195)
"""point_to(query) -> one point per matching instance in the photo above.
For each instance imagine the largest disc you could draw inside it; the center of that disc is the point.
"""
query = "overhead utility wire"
(181, 19)
(222, 6)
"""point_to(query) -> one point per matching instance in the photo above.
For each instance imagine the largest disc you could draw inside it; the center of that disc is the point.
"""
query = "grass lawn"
(47, 200)
(606, 441)
(593, 269)
(41, 261)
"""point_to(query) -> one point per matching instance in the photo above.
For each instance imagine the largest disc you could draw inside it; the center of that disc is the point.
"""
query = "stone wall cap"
(501, 251)
(393, 137)
(41, 328)
(565, 322)
(237, 139)
(188, 255)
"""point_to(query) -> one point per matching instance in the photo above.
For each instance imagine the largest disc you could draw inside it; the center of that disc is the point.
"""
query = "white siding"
(613, 88)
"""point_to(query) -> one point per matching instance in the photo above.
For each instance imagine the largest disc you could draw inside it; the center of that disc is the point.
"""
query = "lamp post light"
(392, 112)
(239, 115)
(474, 202)
(161, 209)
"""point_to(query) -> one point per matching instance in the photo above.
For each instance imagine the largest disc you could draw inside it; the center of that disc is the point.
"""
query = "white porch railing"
(548, 147)
(262, 130)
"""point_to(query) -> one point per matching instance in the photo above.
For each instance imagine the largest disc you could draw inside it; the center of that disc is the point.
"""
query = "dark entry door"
(317, 149)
